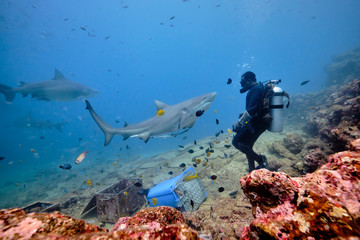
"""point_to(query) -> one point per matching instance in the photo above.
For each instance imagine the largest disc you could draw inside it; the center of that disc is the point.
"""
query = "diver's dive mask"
(246, 84)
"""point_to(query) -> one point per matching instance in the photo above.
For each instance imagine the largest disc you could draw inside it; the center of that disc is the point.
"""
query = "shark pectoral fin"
(190, 125)
(145, 137)
(160, 105)
(108, 137)
(58, 75)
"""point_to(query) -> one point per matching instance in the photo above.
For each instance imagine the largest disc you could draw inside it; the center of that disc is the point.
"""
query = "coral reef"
(313, 160)
(332, 120)
(321, 205)
(226, 219)
(151, 223)
(344, 68)
(158, 216)
(16, 223)
(293, 142)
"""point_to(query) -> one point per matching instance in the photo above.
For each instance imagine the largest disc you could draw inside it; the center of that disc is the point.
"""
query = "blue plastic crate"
(166, 196)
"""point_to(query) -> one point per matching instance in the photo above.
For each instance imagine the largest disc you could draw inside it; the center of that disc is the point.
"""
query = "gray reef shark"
(57, 89)
(173, 118)
(29, 122)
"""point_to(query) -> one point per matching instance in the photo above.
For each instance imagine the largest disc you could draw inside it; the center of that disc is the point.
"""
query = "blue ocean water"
(134, 52)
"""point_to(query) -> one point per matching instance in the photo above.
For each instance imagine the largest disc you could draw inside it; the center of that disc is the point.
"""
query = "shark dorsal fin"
(160, 105)
(58, 75)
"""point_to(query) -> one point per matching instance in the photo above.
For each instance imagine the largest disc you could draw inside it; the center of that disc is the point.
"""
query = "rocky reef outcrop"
(331, 120)
(344, 68)
(150, 223)
(321, 205)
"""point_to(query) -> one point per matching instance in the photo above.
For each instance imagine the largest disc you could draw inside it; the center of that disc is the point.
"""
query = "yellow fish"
(114, 164)
(125, 193)
(229, 131)
(190, 178)
(208, 154)
(81, 157)
(226, 141)
(215, 111)
(160, 112)
(88, 182)
(154, 201)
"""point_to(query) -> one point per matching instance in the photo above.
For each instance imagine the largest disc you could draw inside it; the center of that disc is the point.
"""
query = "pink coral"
(324, 204)
(151, 223)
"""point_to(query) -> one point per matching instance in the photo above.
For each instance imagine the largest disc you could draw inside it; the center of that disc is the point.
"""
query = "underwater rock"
(157, 216)
(16, 223)
(321, 205)
(293, 142)
(150, 223)
(226, 219)
(344, 68)
(279, 149)
(313, 160)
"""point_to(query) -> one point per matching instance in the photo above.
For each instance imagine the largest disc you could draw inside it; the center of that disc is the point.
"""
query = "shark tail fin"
(106, 128)
(8, 92)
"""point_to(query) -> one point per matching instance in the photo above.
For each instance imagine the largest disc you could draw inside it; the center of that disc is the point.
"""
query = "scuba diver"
(258, 117)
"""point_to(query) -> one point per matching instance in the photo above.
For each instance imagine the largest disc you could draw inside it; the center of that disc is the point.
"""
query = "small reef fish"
(229, 131)
(199, 113)
(81, 157)
(126, 193)
(215, 111)
(229, 81)
(170, 173)
(160, 112)
(154, 201)
(88, 182)
(143, 191)
(221, 189)
(304, 82)
(172, 18)
(182, 165)
(190, 178)
(233, 194)
(201, 147)
(192, 204)
(181, 146)
(195, 142)
(213, 177)
(66, 166)
(2, 158)
(191, 151)
(179, 193)
(138, 184)
(195, 165)
(227, 146)
(217, 121)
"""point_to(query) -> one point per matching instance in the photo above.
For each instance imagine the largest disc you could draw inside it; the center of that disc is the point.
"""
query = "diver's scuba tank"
(276, 106)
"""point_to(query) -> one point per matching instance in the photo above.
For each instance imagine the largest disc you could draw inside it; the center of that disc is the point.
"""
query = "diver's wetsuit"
(244, 139)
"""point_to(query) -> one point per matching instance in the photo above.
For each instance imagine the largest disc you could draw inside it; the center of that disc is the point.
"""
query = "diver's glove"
(244, 119)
